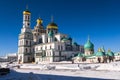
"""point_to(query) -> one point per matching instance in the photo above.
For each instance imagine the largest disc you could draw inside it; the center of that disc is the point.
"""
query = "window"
(45, 47)
(36, 49)
(61, 48)
(58, 47)
(28, 17)
(26, 42)
(28, 36)
(26, 50)
(40, 40)
(50, 47)
(25, 17)
(28, 24)
(49, 53)
(21, 42)
(30, 42)
(33, 49)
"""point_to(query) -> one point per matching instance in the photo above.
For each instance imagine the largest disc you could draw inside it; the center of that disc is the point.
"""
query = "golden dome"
(26, 12)
(39, 21)
(52, 26)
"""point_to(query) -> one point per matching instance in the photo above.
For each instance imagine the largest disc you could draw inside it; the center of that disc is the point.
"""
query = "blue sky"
(100, 19)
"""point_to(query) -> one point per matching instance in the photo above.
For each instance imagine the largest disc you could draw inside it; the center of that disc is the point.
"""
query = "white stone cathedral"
(44, 45)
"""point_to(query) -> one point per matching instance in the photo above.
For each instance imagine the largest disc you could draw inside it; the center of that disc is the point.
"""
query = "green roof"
(80, 55)
(117, 53)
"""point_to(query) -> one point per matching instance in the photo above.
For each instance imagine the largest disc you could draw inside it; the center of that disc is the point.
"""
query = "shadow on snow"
(13, 75)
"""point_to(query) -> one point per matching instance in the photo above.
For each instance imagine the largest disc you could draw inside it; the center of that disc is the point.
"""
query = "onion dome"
(74, 43)
(110, 53)
(26, 12)
(89, 45)
(52, 25)
(100, 53)
(64, 39)
(39, 21)
(70, 38)
(50, 34)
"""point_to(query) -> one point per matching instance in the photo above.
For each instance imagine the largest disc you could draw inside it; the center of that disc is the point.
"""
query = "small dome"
(26, 12)
(74, 43)
(89, 45)
(50, 34)
(39, 21)
(52, 26)
(70, 38)
(110, 53)
(64, 39)
(100, 53)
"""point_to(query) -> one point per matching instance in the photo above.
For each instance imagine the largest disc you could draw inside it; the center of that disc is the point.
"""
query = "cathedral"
(45, 44)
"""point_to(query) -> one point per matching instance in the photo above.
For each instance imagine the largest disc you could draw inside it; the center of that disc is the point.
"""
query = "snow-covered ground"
(109, 71)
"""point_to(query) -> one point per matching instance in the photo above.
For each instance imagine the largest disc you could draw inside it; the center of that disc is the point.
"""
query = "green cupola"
(100, 53)
(50, 34)
(89, 44)
(110, 53)
(64, 39)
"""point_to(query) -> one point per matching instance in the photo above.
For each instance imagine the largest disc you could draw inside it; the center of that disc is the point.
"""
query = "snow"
(83, 71)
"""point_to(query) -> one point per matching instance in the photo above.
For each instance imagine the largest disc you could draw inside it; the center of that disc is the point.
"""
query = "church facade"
(44, 44)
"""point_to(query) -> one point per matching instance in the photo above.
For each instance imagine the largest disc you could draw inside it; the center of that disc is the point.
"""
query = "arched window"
(28, 17)
(26, 42)
(35, 34)
(25, 17)
(38, 30)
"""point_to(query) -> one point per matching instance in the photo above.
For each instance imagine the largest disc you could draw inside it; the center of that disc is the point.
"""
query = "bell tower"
(25, 53)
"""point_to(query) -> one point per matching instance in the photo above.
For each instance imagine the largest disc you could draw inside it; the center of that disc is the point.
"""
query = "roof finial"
(109, 50)
(27, 7)
(88, 37)
(39, 16)
(52, 19)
